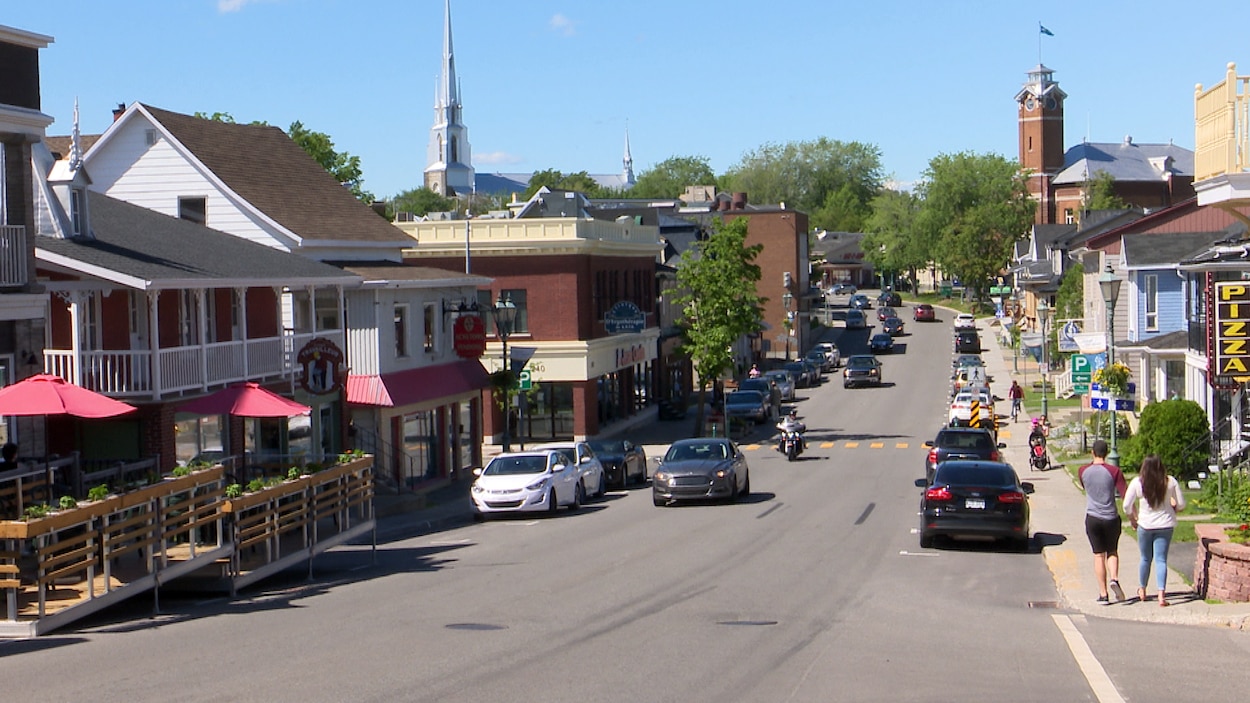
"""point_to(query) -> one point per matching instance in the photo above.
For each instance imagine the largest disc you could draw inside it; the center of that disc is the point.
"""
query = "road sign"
(527, 381)
(1080, 388)
(1082, 377)
(1125, 404)
(1103, 403)
(1098, 403)
(1087, 363)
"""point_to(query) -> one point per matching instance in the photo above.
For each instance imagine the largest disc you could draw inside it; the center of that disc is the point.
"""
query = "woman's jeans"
(1154, 544)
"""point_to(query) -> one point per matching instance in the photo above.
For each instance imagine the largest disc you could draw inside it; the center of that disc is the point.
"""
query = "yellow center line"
(851, 445)
(900, 445)
(876, 445)
(826, 445)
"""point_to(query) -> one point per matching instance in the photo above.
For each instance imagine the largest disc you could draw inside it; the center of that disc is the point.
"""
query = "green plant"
(255, 484)
(292, 473)
(350, 455)
(1113, 379)
(313, 467)
(36, 511)
(181, 471)
(1239, 534)
(68, 503)
(234, 490)
(99, 492)
(1173, 429)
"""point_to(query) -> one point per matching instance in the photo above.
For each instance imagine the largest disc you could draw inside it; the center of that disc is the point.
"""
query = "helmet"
(794, 414)
(1036, 422)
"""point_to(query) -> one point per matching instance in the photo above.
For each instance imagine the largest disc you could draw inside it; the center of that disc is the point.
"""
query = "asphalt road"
(813, 589)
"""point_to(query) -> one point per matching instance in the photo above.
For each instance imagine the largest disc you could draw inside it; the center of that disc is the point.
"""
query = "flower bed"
(1222, 569)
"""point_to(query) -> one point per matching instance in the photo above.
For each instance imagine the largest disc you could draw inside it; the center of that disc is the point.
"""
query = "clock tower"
(1040, 104)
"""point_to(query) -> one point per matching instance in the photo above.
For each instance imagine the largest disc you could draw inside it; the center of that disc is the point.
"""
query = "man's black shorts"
(1104, 535)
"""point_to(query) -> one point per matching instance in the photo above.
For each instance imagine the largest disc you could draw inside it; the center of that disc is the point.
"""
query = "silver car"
(784, 380)
(705, 468)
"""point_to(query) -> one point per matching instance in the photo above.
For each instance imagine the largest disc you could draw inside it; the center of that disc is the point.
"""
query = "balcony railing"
(147, 374)
(1222, 127)
(13, 255)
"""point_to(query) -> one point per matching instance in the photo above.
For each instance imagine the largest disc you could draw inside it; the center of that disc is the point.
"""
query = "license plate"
(974, 504)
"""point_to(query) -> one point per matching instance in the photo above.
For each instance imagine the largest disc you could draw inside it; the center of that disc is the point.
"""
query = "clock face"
(1051, 103)
(1030, 103)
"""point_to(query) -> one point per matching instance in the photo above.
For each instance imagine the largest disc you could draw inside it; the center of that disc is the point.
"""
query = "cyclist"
(1017, 399)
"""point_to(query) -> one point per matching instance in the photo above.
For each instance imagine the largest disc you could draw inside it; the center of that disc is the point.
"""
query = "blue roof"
(1125, 161)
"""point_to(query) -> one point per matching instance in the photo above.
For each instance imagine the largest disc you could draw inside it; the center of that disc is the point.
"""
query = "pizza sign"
(1232, 330)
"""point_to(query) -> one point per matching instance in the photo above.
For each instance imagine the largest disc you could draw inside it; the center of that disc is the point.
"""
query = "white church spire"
(628, 174)
(449, 163)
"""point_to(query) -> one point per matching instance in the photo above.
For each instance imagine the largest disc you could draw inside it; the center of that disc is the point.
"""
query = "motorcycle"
(791, 444)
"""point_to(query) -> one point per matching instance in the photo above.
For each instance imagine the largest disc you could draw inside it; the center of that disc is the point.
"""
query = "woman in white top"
(1151, 502)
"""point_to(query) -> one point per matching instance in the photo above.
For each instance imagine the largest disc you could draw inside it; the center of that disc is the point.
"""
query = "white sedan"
(525, 482)
(831, 353)
(581, 456)
(965, 321)
(960, 414)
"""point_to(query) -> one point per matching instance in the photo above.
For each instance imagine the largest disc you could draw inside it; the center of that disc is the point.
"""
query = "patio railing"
(1222, 127)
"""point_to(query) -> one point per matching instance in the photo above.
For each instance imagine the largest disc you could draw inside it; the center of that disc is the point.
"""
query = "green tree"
(716, 292)
(1070, 299)
(1100, 193)
(556, 180)
(419, 201)
(976, 207)
(892, 241)
(669, 178)
(831, 180)
(1176, 431)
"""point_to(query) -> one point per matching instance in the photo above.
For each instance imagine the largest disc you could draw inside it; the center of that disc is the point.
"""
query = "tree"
(717, 295)
(1175, 430)
(1070, 299)
(892, 241)
(343, 166)
(831, 180)
(419, 201)
(1100, 193)
(669, 178)
(556, 180)
(976, 207)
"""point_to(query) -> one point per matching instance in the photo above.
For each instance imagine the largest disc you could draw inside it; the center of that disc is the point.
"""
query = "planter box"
(1222, 568)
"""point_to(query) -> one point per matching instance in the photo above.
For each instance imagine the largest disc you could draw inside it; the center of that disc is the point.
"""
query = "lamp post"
(786, 299)
(1043, 318)
(1110, 286)
(505, 316)
(1015, 345)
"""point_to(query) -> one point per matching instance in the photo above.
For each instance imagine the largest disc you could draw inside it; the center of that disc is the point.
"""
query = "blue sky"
(552, 83)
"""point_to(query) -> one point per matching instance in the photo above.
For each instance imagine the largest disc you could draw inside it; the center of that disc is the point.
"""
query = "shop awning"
(421, 385)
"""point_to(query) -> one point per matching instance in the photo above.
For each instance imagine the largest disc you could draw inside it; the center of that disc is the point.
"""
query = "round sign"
(469, 336)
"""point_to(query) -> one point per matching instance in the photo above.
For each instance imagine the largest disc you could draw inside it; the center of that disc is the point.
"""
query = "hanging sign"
(1232, 330)
(625, 318)
(469, 337)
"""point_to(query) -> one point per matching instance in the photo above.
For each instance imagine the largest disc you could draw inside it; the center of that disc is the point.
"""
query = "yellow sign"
(1232, 329)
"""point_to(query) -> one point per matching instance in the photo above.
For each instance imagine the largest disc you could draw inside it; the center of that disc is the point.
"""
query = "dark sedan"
(881, 343)
(861, 369)
(975, 499)
(706, 468)
(623, 461)
(961, 443)
(892, 326)
(748, 405)
(886, 311)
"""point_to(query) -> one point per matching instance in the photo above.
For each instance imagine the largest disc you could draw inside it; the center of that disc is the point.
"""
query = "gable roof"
(1143, 250)
(389, 274)
(264, 167)
(1126, 161)
(141, 248)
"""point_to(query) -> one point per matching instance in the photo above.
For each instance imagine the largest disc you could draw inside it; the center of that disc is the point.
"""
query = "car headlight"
(662, 476)
(477, 489)
(722, 473)
(537, 485)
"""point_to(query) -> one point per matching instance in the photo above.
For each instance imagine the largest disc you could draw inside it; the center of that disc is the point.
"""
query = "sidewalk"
(1058, 523)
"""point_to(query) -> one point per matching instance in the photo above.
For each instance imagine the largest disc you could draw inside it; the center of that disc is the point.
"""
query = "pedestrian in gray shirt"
(1103, 483)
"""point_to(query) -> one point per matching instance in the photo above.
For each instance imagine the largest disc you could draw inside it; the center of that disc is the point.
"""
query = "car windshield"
(860, 362)
(692, 451)
(512, 465)
(608, 447)
(966, 440)
(745, 398)
(781, 376)
(974, 475)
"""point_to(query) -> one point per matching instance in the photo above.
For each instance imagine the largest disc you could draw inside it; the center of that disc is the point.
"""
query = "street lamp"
(1015, 346)
(1110, 286)
(786, 299)
(505, 315)
(1043, 318)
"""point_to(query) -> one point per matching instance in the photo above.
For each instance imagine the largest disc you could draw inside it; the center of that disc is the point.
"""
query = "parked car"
(844, 289)
(748, 405)
(530, 481)
(886, 311)
(967, 342)
(813, 371)
(892, 326)
(962, 360)
(965, 321)
(624, 461)
(961, 443)
(860, 302)
(969, 376)
(761, 384)
(960, 412)
(856, 320)
(889, 298)
(580, 455)
(831, 351)
(705, 468)
(784, 380)
(924, 313)
(819, 359)
(975, 499)
(802, 375)
(861, 369)
(881, 343)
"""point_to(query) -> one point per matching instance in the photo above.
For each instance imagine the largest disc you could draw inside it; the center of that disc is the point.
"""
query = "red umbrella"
(244, 400)
(45, 394)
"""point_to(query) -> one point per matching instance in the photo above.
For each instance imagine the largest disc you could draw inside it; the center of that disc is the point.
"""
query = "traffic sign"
(526, 379)
(1098, 403)
(1080, 388)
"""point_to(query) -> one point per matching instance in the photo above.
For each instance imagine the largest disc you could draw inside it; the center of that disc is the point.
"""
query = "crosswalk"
(1003, 435)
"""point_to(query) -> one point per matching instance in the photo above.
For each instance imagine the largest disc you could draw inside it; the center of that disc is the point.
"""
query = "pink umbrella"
(45, 394)
(244, 400)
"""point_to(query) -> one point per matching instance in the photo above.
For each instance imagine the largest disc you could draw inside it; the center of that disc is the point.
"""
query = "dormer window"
(75, 211)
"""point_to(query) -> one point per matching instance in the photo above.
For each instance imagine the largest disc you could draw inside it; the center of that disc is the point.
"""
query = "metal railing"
(13, 255)
(1222, 126)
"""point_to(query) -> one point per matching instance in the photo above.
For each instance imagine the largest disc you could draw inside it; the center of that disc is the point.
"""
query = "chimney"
(739, 201)
(117, 111)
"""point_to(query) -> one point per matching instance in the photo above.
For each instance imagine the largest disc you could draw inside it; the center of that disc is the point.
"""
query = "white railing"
(1061, 383)
(13, 255)
(126, 373)
(1222, 127)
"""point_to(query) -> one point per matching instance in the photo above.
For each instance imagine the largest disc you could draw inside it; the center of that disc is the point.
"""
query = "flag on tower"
(1042, 28)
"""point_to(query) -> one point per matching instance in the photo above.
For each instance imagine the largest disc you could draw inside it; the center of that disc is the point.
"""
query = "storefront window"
(421, 446)
(547, 412)
(199, 439)
(465, 433)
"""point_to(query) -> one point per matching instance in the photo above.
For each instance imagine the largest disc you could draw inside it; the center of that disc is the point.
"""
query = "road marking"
(905, 553)
(851, 445)
(449, 542)
(900, 445)
(752, 446)
(826, 445)
(1004, 434)
(1095, 675)
(876, 445)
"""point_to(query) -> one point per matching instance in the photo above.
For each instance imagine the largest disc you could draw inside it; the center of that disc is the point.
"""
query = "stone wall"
(1222, 569)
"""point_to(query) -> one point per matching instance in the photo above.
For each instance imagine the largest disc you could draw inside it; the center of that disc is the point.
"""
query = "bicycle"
(1015, 408)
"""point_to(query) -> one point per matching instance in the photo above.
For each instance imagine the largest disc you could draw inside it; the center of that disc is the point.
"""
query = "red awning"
(394, 390)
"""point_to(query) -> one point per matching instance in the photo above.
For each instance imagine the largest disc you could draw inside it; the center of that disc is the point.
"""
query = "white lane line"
(1090, 667)
(449, 542)
(905, 553)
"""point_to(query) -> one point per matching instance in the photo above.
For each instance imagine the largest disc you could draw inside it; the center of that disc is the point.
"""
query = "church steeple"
(628, 162)
(449, 169)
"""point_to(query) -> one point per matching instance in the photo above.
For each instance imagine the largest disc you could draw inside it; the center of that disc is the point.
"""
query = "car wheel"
(1021, 544)
(746, 486)
(926, 541)
(603, 485)
(553, 504)
(579, 495)
(479, 517)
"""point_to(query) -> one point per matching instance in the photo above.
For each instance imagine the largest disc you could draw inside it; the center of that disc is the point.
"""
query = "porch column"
(242, 295)
(75, 334)
(201, 323)
(154, 341)
(312, 309)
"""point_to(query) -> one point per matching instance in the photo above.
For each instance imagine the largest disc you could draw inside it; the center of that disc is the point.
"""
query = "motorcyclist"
(791, 423)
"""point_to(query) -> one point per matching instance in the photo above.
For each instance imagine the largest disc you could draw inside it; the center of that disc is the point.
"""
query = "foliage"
(99, 492)
(1113, 379)
(892, 242)
(1175, 430)
(716, 293)
(181, 471)
(1239, 534)
(36, 511)
(1230, 501)
(419, 201)
(976, 207)
(1100, 193)
(292, 473)
(669, 178)
(313, 467)
(350, 455)
(833, 181)
(68, 502)
(255, 484)
(556, 180)
(1070, 299)
(234, 490)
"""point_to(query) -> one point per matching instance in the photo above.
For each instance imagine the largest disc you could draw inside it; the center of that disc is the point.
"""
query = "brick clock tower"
(1040, 104)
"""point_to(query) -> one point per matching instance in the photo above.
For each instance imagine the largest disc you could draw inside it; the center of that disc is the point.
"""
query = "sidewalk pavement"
(1058, 523)
(1058, 517)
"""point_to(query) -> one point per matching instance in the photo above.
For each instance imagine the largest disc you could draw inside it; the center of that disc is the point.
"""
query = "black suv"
(890, 298)
(967, 342)
(960, 443)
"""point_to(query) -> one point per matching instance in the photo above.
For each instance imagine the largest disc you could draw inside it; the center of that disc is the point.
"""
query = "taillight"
(933, 456)
(994, 455)
(942, 493)
(1011, 497)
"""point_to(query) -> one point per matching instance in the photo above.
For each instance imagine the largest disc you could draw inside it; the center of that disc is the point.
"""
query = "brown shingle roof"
(264, 167)
(59, 146)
